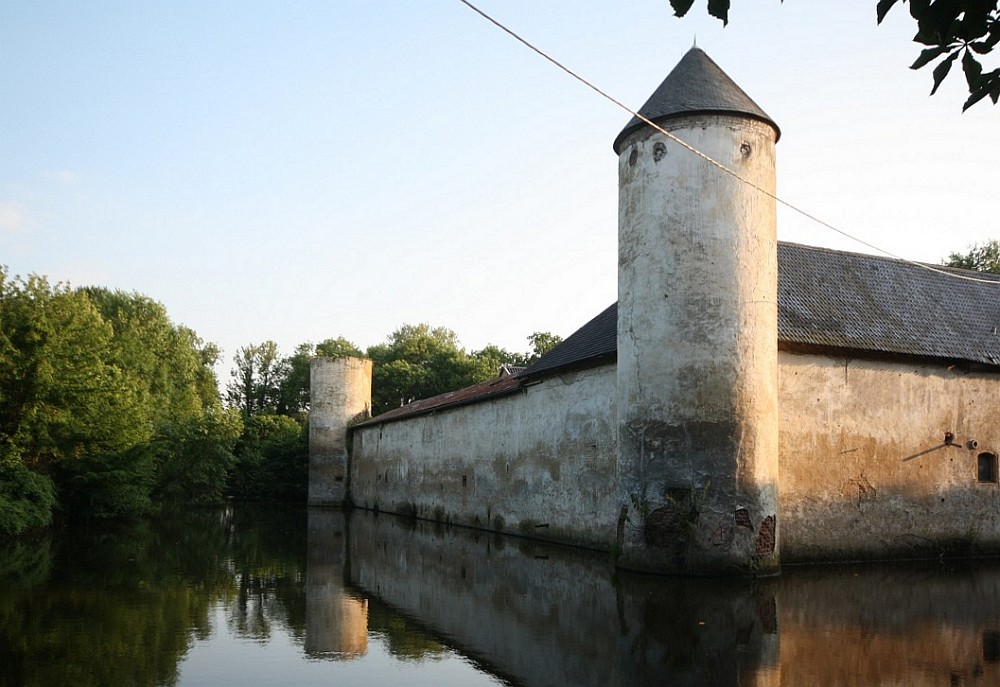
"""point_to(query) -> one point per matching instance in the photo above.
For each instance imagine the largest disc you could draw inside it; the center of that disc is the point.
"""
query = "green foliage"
(164, 364)
(338, 348)
(26, 499)
(293, 388)
(419, 361)
(491, 359)
(965, 28)
(542, 344)
(272, 459)
(101, 393)
(255, 387)
(196, 456)
(24, 563)
(61, 395)
(981, 258)
(108, 485)
(950, 28)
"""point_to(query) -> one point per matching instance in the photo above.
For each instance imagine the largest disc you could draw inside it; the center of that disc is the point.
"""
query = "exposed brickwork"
(764, 542)
(667, 527)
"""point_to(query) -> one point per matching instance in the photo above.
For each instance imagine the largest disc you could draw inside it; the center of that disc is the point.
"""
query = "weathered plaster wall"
(697, 364)
(864, 469)
(341, 390)
(540, 463)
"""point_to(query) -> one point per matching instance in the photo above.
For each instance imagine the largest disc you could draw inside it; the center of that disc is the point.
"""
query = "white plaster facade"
(865, 470)
(539, 463)
(697, 354)
(341, 392)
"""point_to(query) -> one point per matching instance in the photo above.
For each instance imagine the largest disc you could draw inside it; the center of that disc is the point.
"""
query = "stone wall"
(539, 463)
(865, 469)
(341, 390)
(697, 355)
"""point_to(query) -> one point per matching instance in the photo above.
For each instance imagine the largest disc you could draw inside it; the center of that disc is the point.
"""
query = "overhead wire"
(709, 159)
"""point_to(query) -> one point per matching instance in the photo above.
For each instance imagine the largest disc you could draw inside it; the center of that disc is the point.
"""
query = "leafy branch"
(953, 29)
(949, 28)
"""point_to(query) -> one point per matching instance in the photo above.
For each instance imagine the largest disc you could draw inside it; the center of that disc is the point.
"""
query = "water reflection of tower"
(336, 622)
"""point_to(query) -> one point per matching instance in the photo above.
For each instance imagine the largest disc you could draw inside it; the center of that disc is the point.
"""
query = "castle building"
(745, 402)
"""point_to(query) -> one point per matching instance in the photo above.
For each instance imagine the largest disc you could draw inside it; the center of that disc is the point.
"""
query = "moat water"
(267, 596)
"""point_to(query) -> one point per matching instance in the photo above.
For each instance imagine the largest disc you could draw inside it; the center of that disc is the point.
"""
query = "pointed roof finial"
(696, 85)
(695, 43)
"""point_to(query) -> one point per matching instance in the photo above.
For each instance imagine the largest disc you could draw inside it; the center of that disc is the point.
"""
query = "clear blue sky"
(297, 170)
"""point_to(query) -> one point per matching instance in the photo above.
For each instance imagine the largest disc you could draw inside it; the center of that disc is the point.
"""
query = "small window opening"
(991, 646)
(987, 467)
(463, 480)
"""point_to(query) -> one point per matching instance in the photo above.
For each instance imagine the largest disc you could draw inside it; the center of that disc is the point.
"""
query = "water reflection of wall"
(906, 625)
(540, 615)
(336, 622)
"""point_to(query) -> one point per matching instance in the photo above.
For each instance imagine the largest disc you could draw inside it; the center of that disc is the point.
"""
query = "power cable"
(711, 160)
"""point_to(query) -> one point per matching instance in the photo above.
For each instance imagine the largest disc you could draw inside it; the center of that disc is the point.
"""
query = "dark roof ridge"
(989, 276)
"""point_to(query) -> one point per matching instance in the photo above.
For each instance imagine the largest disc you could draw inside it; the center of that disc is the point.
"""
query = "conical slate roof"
(696, 85)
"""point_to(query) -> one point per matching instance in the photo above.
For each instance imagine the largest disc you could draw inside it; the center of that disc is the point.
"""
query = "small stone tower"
(697, 331)
(340, 393)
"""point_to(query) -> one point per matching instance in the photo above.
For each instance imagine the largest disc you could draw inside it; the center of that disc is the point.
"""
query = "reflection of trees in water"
(79, 610)
(266, 564)
(404, 639)
(267, 598)
(123, 603)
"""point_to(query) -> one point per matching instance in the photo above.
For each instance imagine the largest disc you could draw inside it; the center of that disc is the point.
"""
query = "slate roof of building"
(696, 85)
(594, 341)
(829, 300)
(490, 389)
(881, 305)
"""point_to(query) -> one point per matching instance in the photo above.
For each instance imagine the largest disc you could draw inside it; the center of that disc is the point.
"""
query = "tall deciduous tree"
(189, 449)
(948, 28)
(418, 361)
(103, 395)
(61, 395)
(255, 387)
(982, 258)
(493, 358)
(542, 343)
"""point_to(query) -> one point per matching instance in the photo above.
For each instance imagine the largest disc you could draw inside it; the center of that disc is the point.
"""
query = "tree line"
(416, 361)
(109, 409)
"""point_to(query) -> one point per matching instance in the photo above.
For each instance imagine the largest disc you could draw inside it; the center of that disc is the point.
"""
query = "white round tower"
(697, 330)
(340, 392)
